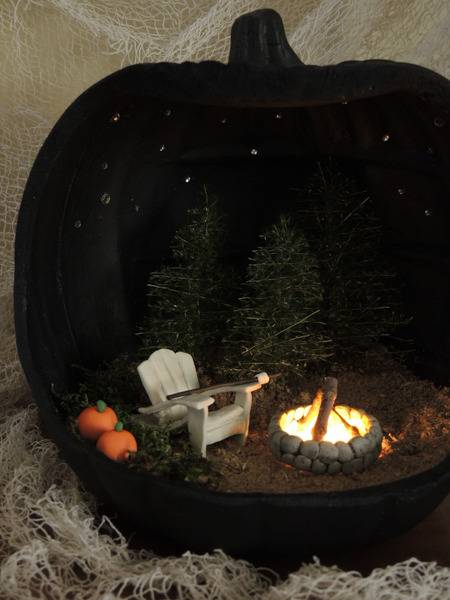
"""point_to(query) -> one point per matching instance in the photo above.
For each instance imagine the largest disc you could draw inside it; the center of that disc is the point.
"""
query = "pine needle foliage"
(361, 302)
(189, 299)
(276, 326)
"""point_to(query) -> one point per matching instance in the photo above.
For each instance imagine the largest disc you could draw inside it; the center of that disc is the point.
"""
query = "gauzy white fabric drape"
(50, 51)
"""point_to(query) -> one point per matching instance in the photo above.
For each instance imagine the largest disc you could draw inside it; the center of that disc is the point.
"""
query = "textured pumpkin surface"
(92, 422)
(117, 445)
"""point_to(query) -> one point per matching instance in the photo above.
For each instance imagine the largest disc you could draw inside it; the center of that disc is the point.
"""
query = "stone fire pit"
(326, 457)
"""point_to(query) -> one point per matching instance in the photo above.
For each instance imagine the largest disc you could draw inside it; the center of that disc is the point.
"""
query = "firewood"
(355, 431)
(329, 391)
(313, 412)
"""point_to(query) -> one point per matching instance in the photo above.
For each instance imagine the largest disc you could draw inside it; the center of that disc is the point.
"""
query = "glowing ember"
(338, 430)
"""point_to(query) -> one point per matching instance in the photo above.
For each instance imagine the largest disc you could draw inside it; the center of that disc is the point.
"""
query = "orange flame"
(337, 430)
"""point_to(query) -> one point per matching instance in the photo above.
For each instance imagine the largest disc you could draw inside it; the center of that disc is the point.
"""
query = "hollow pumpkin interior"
(124, 181)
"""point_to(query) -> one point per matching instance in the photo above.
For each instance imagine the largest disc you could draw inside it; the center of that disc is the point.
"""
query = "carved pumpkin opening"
(134, 180)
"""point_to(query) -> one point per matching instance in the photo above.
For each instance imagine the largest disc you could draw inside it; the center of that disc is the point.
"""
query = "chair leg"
(244, 435)
(197, 429)
(242, 438)
(244, 399)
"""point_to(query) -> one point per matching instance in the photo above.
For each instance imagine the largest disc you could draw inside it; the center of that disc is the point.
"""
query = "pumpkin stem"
(101, 406)
(119, 426)
(258, 39)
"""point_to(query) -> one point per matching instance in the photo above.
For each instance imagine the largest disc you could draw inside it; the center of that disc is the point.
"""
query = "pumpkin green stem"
(119, 426)
(101, 406)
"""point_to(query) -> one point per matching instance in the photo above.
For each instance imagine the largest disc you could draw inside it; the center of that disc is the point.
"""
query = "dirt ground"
(414, 415)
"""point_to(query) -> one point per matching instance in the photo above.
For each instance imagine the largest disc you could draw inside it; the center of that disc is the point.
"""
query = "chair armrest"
(197, 402)
(249, 386)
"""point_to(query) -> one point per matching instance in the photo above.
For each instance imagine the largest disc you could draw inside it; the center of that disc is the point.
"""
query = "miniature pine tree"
(276, 326)
(187, 299)
(361, 303)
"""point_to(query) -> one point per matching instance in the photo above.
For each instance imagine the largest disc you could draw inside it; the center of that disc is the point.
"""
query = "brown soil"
(414, 414)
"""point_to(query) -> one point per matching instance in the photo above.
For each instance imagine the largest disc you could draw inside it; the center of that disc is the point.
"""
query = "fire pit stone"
(352, 456)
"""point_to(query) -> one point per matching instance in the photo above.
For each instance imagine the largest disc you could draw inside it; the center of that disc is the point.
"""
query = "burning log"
(321, 438)
(313, 412)
(353, 429)
(327, 400)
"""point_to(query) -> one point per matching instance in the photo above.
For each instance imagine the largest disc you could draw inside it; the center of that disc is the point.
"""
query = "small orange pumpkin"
(117, 444)
(95, 420)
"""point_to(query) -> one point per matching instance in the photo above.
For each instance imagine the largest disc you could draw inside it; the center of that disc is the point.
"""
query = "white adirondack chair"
(166, 373)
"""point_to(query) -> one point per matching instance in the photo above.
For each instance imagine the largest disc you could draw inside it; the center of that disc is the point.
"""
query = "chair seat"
(166, 373)
(219, 418)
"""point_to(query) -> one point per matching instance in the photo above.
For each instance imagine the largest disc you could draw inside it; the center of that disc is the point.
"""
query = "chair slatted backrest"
(166, 372)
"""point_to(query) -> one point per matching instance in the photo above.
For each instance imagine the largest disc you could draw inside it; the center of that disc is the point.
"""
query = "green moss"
(70, 404)
(117, 383)
(171, 455)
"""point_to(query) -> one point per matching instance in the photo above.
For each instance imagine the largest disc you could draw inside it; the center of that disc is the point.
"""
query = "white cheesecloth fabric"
(50, 51)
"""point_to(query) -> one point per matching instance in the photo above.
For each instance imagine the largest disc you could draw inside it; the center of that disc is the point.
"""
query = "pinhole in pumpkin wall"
(259, 191)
